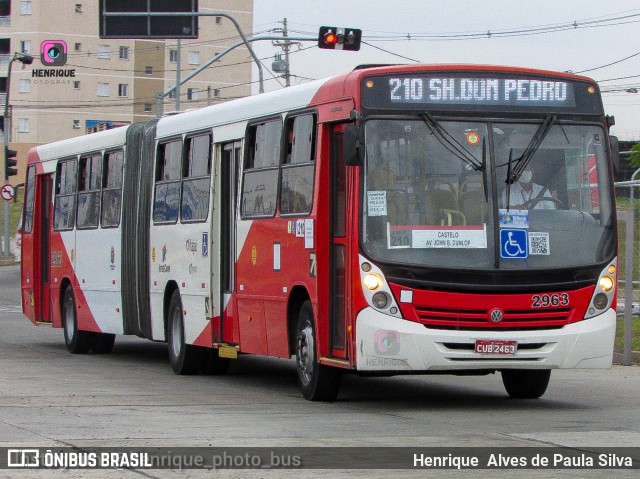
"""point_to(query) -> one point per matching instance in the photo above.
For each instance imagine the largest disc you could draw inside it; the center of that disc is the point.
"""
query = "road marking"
(10, 308)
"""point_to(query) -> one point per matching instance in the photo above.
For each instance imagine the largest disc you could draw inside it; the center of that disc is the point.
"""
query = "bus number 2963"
(549, 300)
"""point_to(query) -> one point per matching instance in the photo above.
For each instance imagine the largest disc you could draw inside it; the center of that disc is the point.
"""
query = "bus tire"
(103, 343)
(317, 381)
(525, 383)
(78, 342)
(184, 358)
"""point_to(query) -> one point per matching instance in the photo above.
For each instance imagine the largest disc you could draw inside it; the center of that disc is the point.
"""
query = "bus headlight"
(376, 290)
(606, 283)
(604, 294)
(372, 281)
(600, 301)
(380, 300)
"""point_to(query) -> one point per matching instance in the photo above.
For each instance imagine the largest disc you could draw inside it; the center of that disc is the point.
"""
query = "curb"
(618, 358)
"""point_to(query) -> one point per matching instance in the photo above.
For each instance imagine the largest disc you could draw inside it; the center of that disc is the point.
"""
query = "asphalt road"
(131, 398)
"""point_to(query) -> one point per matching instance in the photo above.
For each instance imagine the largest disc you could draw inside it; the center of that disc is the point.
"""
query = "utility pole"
(279, 65)
(285, 46)
(9, 154)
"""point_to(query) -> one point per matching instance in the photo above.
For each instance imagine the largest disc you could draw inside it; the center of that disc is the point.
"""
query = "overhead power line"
(610, 64)
(614, 19)
(390, 52)
(632, 16)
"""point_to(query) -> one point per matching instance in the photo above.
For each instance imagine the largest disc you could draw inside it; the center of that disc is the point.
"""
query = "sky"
(597, 38)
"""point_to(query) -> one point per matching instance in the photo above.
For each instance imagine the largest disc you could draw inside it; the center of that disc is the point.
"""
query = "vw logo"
(496, 315)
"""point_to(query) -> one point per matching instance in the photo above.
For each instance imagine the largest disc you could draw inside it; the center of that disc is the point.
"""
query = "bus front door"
(339, 252)
(230, 167)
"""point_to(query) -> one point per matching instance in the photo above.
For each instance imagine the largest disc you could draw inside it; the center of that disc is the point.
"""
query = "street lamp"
(26, 60)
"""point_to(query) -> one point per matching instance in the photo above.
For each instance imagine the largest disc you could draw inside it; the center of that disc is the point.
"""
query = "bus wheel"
(317, 381)
(103, 343)
(184, 358)
(526, 383)
(78, 342)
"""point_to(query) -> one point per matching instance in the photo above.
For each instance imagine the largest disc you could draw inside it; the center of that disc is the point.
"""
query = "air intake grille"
(462, 318)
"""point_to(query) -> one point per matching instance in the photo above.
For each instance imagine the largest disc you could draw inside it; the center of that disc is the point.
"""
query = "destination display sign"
(458, 91)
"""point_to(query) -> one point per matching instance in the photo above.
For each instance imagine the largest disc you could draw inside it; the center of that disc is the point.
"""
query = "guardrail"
(629, 220)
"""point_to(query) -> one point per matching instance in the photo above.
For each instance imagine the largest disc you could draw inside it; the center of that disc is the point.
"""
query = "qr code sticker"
(539, 243)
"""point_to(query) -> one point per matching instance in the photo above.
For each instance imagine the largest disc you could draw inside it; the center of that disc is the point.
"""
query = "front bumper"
(386, 343)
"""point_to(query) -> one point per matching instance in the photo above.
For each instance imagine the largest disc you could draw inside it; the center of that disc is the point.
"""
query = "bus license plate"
(500, 348)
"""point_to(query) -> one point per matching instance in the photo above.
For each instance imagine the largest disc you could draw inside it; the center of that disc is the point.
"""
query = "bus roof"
(85, 143)
(242, 109)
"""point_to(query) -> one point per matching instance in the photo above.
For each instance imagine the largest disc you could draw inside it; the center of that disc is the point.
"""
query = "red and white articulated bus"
(391, 220)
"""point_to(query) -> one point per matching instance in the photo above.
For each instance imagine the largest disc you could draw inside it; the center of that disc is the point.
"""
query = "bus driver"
(524, 193)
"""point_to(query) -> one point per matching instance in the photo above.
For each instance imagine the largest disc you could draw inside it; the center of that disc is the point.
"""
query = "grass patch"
(15, 210)
(623, 205)
(619, 342)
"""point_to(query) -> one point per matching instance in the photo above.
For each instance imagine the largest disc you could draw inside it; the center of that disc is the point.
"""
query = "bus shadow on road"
(278, 376)
(441, 392)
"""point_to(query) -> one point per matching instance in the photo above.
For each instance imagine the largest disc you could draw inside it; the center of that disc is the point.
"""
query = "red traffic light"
(339, 38)
(330, 39)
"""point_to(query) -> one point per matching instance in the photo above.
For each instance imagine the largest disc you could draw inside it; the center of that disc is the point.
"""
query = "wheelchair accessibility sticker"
(513, 244)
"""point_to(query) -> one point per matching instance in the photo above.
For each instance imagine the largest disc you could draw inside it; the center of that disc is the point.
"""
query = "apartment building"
(105, 83)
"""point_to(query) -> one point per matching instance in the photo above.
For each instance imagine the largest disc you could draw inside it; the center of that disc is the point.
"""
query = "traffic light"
(10, 165)
(339, 38)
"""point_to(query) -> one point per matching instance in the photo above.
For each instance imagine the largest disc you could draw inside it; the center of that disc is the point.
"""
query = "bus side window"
(112, 188)
(89, 184)
(196, 174)
(167, 190)
(29, 200)
(65, 195)
(296, 190)
(260, 178)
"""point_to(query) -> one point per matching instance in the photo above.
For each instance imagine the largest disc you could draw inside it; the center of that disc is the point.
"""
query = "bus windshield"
(486, 195)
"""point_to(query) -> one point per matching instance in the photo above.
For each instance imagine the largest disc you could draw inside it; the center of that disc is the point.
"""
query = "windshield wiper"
(514, 173)
(450, 143)
(509, 176)
(484, 171)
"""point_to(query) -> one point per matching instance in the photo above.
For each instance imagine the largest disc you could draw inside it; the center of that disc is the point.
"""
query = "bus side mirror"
(615, 154)
(353, 153)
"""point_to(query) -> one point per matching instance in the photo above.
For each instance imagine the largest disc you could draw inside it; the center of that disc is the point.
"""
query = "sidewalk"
(7, 260)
